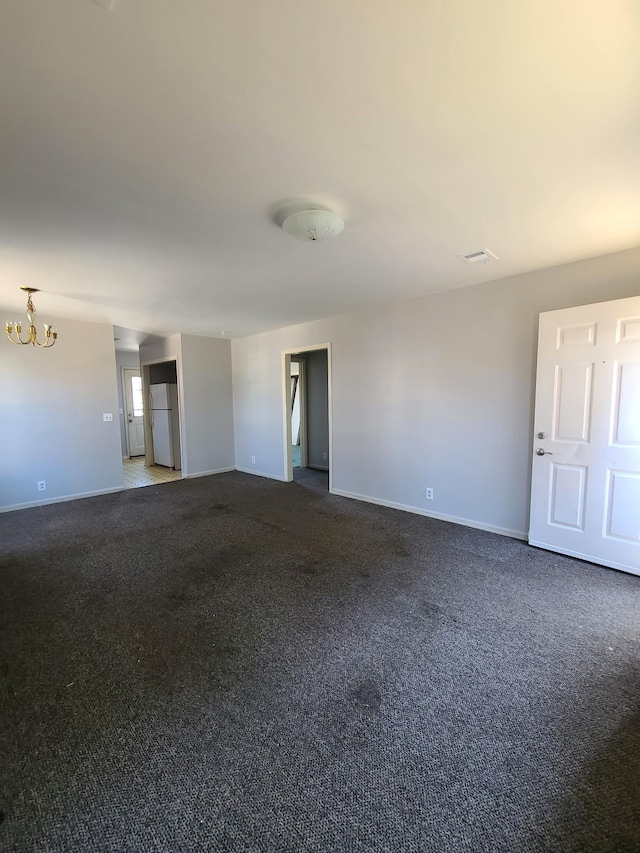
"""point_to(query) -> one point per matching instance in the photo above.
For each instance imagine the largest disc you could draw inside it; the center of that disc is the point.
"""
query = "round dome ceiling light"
(312, 225)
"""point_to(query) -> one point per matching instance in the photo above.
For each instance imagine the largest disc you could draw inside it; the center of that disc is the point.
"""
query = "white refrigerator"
(165, 424)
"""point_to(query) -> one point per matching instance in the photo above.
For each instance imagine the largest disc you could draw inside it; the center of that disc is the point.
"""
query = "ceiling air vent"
(481, 257)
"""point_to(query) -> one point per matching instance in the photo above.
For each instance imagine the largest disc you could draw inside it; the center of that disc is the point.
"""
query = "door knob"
(541, 452)
(130, 420)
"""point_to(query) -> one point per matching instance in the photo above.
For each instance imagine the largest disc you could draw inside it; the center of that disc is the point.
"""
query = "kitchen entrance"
(163, 454)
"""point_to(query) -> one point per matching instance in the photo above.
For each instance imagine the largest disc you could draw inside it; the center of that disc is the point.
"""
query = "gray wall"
(205, 398)
(431, 392)
(51, 409)
(208, 404)
(124, 359)
(168, 348)
(317, 409)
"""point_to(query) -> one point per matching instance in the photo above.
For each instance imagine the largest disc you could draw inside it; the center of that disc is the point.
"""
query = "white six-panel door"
(134, 411)
(585, 494)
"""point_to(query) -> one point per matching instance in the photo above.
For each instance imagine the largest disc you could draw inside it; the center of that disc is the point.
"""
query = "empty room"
(320, 426)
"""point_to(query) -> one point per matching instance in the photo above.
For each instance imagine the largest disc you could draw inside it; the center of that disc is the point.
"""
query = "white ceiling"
(147, 152)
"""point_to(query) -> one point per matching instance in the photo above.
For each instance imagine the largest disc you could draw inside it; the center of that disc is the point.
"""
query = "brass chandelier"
(50, 334)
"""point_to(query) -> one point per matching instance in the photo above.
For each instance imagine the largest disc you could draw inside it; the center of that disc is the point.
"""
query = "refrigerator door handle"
(151, 408)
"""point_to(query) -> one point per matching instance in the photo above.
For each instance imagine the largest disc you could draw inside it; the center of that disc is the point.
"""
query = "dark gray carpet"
(235, 664)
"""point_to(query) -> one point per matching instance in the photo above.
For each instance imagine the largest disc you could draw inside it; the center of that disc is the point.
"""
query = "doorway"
(160, 460)
(162, 420)
(136, 472)
(307, 396)
(298, 433)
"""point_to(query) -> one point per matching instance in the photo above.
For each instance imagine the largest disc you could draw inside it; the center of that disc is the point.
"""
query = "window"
(136, 396)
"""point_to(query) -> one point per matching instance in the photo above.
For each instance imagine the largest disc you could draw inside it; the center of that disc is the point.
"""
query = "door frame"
(148, 436)
(286, 408)
(302, 397)
(123, 379)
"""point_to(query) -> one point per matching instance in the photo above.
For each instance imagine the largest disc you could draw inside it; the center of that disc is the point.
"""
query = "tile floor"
(136, 475)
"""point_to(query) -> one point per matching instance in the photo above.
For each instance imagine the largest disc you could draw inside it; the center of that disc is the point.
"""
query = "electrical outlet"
(107, 416)
(428, 493)
(324, 455)
(42, 485)
(253, 460)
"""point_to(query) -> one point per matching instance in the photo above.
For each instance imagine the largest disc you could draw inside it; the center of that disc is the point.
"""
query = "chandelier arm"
(49, 342)
(19, 341)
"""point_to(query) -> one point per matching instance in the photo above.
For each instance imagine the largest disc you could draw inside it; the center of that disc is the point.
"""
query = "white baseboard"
(465, 522)
(62, 499)
(610, 564)
(262, 474)
(208, 473)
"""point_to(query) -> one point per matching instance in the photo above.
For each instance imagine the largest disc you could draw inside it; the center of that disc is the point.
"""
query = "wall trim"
(280, 478)
(464, 522)
(63, 499)
(207, 473)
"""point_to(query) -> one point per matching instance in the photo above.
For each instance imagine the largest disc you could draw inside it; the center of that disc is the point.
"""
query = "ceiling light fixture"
(313, 225)
(49, 333)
